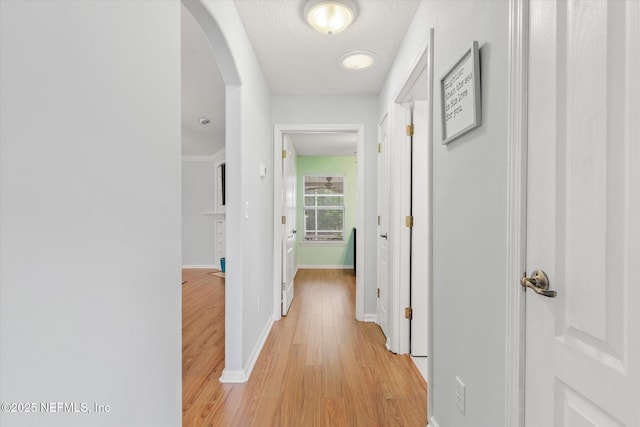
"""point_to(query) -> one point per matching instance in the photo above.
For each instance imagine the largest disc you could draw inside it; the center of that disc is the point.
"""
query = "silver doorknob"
(539, 282)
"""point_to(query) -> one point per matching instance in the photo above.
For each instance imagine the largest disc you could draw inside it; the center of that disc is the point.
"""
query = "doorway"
(412, 166)
(573, 215)
(582, 340)
(281, 133)
(234, 370)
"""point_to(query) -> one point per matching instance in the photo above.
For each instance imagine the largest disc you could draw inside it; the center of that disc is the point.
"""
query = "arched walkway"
(231, 77)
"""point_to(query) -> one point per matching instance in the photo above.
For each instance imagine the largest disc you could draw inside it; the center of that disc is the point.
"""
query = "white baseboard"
(421, 363)
(241, 376)
(201, 266)
(325, 267)
(229, 376)
(371, 317)
(434, 422)
(253, 358)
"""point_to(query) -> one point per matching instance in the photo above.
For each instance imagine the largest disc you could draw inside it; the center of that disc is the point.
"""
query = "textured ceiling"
(297, 60)
(325, 143)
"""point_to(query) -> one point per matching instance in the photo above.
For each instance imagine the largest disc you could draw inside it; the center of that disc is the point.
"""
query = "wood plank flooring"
(319, 366)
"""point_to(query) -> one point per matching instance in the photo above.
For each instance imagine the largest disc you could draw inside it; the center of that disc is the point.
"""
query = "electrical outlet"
(460, 394)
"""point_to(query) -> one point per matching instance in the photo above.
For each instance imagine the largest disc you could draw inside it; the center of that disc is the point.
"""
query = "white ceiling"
(325, 143)
(295, 59)
(202, 92)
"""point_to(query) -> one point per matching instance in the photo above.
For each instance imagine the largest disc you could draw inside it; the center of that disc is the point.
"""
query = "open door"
(582, 350)
(415, 101)
(421, 230)
(288, 222)
(384, 270)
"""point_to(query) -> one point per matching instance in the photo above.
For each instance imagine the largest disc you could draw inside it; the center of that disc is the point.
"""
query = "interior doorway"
(233, 349)
(413, 116)
(282, 135)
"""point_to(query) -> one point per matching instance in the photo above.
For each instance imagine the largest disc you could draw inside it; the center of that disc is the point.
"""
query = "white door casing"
(289, 224)
(582, 360)
(421, 231)
(362, 240)
(401, 242)
(412, 171)
(384, 268)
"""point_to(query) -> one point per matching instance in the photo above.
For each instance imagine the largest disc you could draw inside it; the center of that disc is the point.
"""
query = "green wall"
(320, 254)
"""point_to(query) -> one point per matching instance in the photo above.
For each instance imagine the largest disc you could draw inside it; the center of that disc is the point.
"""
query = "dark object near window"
(222, 176)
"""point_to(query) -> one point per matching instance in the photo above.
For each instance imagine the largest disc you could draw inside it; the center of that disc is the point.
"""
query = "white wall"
(345, 110)
(249, 210)
(199, 180)
(90, 211)
(469, 213)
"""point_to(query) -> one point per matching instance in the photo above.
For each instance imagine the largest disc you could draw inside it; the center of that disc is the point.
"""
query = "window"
(324, 208)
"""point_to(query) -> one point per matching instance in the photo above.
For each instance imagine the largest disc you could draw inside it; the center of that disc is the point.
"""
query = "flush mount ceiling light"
(357, 60)
(330, 17)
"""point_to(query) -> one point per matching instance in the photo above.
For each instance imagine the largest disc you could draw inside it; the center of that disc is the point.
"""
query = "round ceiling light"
(357, 60)
(330, 17)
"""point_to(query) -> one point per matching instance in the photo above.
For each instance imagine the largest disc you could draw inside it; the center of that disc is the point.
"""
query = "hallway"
(319, 366)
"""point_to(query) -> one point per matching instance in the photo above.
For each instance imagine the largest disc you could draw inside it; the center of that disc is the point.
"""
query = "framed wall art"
(461, 100)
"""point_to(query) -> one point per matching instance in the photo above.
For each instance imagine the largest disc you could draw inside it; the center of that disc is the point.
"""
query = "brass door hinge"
(284, 154)
(409, 130)
(379, 148)
(284, 219)
(378, 292)
(408, 221)
(408, 313)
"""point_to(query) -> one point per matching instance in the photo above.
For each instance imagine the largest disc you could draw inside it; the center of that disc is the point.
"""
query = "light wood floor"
(319, 366)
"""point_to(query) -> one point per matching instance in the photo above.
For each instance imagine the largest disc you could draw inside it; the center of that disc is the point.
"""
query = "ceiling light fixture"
(357, 60)
(330, 17)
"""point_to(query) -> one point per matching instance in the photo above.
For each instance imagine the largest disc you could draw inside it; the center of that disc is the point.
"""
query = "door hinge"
(379, 220)
(408, 313)
(284, 154)
(408, 221)
(379, 148)
(409, 130)
(378, 292)
(284, 219)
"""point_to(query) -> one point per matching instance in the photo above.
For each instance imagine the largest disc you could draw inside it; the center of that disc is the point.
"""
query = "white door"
(583, 214)
(421, 231)
(384, 270)
(289, 222)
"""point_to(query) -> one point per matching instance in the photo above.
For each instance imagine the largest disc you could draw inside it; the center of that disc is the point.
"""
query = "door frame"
(402, 109)
(287, 146)
(234, 370)
(279, 131)
(517, 135)
(383, 161)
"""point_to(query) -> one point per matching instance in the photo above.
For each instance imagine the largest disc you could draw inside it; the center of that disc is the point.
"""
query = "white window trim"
(342, 242)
